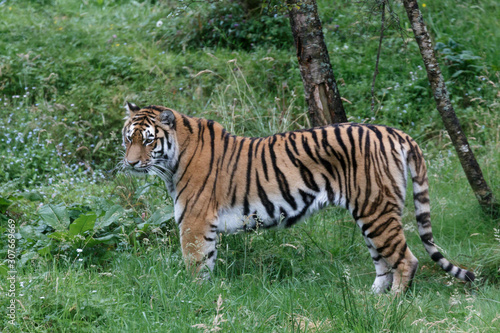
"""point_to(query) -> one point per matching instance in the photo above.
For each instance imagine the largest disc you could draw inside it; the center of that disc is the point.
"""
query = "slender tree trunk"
(321, 92)
(450, 120)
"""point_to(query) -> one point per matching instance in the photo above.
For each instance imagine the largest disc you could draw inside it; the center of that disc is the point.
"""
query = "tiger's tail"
(418, 173)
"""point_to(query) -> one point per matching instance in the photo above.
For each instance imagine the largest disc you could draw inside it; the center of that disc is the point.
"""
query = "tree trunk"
(450, 120)
(320, 88)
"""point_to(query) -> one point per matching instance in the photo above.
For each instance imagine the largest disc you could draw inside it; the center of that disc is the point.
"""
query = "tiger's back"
(226, 183)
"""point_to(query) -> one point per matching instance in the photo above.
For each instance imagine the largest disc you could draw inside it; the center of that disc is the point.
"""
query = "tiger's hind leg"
(383, 280)
(387, 243)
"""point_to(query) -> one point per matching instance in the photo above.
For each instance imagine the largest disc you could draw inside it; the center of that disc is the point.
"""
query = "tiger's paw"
(382, 283)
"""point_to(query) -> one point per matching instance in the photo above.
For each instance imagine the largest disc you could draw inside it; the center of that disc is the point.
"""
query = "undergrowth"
(99, 251)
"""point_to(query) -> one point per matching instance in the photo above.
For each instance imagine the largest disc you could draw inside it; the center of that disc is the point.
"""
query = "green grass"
(66, 68)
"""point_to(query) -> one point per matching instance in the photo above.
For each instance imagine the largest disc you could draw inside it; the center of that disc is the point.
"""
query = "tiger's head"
(149, 139)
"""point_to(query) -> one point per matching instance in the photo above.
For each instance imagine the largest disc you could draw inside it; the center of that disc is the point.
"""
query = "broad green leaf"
(81, 224)
(27, 232)
(107, 239)
(143, 226)
(55, 215)
(161, 216)
(45, 250)
(33, 196)
(457, 73)
(142, 190)
(59, 235)
(28, 256)
(112, 215)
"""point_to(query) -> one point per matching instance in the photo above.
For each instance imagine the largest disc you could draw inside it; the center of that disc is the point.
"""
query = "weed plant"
(98, 250)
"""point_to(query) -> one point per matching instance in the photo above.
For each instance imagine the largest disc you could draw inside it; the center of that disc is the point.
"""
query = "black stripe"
(329, 190)
(307, 199)
(182, 190)
(264, 162)
(469, 276)
(449, 267)
(360, 138)
(436, 256)
(315, 137)
(307, 148)
(427, 239)
(388, 244)
(402, 253)
(256, 149)
(344, 164)
(235, 162)
(186, 123)
(422, 197)
(246, 206)
(233, 150)
(183, 212)
(233, 198)
(380, 229)
(249, 178)
(268, 205)
(353, 154)
(154, 107)
(424, 219)
(290, 154)
(291, 138)
(367, 225)
(210, 125)
(225, 137)
(281, 179)
(308, 177)
(324, 141)
(361, 208)
(189, 162)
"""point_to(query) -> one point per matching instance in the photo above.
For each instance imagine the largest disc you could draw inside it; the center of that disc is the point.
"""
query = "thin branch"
(375, 73)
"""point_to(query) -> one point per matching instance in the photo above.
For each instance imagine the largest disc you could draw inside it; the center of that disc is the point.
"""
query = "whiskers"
(121, 166)
(157, 167)
(159, 170)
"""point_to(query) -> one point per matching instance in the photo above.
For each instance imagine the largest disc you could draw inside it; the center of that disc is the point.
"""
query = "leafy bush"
(78, 231)
(227, 24)
(460, 62)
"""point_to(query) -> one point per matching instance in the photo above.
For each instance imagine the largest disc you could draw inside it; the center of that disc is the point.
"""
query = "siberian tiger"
(225, 183)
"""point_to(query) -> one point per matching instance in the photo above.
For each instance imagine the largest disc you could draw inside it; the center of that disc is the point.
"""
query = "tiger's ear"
(131, 108)
(167, 118)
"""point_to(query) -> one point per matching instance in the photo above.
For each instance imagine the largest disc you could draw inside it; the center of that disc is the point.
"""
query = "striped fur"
(225, 183)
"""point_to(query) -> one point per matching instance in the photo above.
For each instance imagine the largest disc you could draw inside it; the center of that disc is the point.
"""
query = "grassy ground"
(66, 68)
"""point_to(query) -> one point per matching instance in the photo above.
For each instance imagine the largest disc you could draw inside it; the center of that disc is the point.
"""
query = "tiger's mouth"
(140, 171)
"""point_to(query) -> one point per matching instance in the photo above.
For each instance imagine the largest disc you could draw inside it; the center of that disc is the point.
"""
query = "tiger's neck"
(207, 156)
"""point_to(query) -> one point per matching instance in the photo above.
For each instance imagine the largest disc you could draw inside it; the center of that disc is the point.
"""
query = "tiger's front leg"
(198, 242)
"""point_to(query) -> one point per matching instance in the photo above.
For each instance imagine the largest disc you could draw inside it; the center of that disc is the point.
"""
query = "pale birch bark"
(466, 156)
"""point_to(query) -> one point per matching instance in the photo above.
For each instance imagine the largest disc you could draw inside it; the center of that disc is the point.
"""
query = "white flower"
(159, 23)
(79, 250)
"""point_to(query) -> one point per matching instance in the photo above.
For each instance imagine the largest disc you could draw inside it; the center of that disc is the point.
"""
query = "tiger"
(223, 183)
